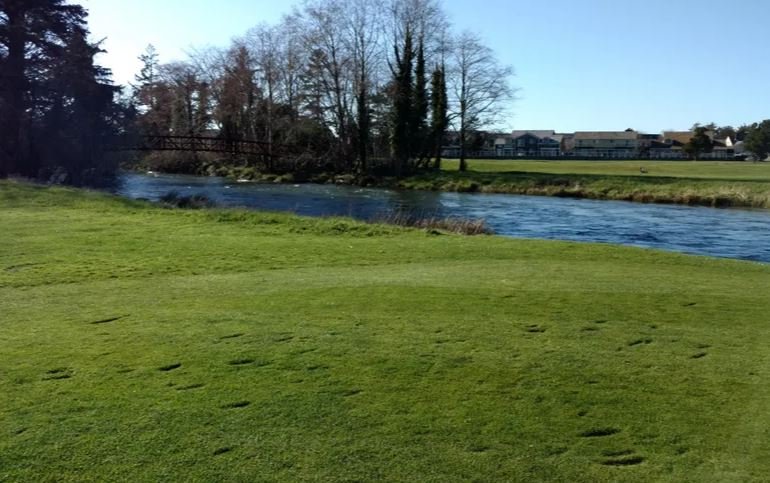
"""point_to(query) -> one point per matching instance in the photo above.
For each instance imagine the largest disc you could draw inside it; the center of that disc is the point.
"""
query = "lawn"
(736, 184)
(721, 170)
(149, 344)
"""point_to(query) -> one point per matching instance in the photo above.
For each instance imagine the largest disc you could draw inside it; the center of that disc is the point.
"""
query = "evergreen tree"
(52, 90)
(439, 117)
(403, 87)
(26, 26)
(699, 143)
(758, 140)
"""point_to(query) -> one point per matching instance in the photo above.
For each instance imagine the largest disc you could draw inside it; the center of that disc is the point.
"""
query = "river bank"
(731, 233)
(681, 189)
(642, 189)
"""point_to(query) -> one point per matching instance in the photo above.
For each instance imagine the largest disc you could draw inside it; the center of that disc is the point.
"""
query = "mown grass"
(149, 344)
(720, 170)
(714, 184)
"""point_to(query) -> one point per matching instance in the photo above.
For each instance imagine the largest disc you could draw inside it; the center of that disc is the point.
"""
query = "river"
(727, 233)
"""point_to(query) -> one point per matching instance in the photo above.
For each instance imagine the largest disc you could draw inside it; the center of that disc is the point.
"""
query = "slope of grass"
(143, 344)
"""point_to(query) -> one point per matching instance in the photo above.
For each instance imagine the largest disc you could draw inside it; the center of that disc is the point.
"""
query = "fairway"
(723, 170)
(149, 344)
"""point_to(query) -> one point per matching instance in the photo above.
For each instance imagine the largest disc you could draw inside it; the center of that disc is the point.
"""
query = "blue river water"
(727, 233)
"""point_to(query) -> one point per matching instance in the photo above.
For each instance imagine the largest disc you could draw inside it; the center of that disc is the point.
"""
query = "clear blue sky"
(581, 64)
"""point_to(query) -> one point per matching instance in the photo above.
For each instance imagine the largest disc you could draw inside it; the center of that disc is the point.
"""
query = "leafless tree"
(481, 88)
(325, 37)
(363, 36)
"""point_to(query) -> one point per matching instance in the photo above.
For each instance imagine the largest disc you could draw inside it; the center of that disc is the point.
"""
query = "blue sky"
(580, 64)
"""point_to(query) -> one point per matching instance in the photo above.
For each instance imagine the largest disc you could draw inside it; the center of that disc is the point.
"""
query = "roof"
(677, 137)
(628, 135)
(536, 133)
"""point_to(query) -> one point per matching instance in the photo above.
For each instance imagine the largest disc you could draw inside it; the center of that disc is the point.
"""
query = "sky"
(581, 65)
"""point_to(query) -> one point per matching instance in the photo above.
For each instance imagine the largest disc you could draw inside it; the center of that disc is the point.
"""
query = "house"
(607, 144)
(673, 143)
(529, 144)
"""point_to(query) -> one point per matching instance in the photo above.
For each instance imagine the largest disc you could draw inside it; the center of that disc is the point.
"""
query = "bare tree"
(363, 38)
(325, 37)
(481, 88)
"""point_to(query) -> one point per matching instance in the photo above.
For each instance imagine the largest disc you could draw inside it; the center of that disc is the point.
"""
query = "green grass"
(719, 170)
(703, 183)
(148, 344)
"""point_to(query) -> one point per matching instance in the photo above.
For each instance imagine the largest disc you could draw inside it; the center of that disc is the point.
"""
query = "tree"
(418, 126)
(482, 90)
(27, 26)
(363, 35)
(51, 89)
(401, 137)
(439, 119)
(325, 33)
(758, 140)
(699, 144)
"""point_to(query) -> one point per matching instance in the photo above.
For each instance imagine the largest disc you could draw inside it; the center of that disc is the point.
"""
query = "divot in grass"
(631, 461)
(599, 432)
(57, 374)
(232, 336)
(190, 387)
(108, 320)
(170, 367)
(637, 342)
(237, 405)
(699, 355)
(220, 451)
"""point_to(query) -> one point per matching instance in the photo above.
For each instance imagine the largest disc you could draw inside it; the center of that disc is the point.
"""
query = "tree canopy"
(758, 140)
(56, 104)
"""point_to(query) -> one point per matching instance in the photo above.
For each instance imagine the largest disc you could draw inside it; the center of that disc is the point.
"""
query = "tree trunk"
(463, 164)
(363, 128)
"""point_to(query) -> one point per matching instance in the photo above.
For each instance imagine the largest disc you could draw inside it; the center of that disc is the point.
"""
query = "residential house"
(529, 144)
(672, 146)
(607, 144)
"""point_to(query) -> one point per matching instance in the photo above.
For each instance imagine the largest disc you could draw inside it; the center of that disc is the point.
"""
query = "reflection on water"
(743, 234)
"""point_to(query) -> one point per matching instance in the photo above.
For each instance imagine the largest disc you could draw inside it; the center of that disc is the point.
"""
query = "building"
(545, 144)
(672, 146)
(529, 144)
(607, 144)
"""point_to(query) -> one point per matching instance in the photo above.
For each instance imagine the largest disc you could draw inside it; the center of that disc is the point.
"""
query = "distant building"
(607, 144)
(673, 142)
(529, 144)
(547, 144)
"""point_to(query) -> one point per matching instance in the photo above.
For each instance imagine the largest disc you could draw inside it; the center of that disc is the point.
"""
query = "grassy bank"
(706, 184)
(148, 344)
(719, 170)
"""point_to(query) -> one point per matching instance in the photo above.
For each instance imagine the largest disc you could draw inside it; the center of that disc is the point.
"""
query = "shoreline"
(713, 193)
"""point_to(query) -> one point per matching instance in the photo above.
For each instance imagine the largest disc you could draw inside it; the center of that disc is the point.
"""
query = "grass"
(148, 344)
(719, 170)
(718, 184)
